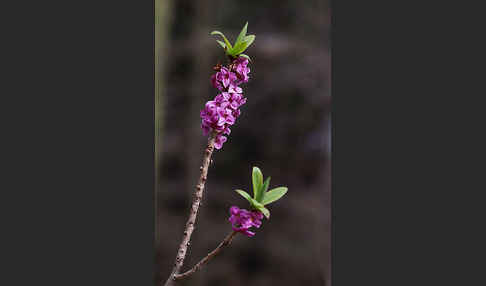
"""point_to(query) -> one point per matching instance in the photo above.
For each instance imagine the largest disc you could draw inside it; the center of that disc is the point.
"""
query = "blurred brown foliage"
(284, 129)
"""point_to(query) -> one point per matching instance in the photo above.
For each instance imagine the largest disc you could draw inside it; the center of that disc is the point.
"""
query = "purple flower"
(212, 117)
(237, 100)
(228, 116)
(222, 97)
(218, 142)
(222, 112)
(225, 76)
(236, 113)
(234, 89)
(219, 114)
(216, 83)
(242, 220)
(241, 61)
(242, 69)
(227, 131)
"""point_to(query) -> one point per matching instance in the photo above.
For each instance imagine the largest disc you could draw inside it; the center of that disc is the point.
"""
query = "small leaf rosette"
(242, 43)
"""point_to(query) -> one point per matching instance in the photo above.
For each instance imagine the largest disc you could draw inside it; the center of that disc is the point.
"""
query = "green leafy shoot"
(241, 44)
(261, 196)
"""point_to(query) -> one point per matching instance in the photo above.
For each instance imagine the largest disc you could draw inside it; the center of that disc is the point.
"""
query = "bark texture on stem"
(223, 244)
(196, 202)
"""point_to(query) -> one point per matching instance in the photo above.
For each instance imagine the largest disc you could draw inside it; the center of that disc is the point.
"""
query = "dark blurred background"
(284, 129)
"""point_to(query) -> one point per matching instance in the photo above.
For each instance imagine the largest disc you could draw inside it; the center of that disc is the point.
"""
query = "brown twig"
(196, 201)
(223, 244)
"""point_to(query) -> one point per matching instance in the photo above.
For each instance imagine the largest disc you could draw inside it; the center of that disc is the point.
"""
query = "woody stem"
(207, 258)
(196, 202)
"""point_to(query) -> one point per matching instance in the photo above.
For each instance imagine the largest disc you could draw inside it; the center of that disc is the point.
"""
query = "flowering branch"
(223, 244)
(196, 202)
(216, 118)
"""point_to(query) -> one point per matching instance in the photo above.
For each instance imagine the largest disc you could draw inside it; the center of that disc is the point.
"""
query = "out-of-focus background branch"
(284, 129)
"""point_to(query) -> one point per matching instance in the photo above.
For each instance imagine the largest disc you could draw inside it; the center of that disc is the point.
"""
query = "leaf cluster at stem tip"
(261, 196)
(242, 43)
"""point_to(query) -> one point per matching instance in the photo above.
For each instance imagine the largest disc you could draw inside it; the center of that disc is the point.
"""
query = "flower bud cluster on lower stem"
(242, 220)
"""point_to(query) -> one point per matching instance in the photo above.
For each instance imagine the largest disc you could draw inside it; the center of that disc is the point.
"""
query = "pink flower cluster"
(221, 112)
(242, 220)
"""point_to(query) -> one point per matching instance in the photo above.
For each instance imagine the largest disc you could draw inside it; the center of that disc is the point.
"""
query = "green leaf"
(221, 44)
(274, 195)
(245, 195)
(242, 35)
(249, 39)
(239, 48)
(266, 184)
(264, 189)
(257, 179)
(228, 45)
(255, 204)
(258, 206)
(265, 212)
(245, 56)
